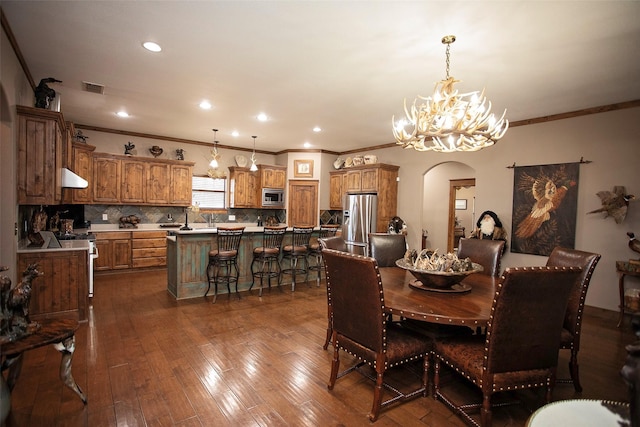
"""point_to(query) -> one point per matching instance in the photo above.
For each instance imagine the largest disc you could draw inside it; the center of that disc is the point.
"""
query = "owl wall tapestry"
(545, 202)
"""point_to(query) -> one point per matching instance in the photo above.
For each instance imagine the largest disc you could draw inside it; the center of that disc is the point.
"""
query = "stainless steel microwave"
(273, 197)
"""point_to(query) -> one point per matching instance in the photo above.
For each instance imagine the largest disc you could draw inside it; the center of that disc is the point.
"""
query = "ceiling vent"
(93, 88)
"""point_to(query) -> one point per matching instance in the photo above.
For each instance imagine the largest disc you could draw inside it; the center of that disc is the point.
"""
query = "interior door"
(454, 186)
(303, 203)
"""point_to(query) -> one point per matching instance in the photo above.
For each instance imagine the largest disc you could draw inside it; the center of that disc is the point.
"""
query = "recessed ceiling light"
(262, 117)
(152, 47)
(317, 129)
(122, 114)
(235, 133)
(307, 145)
(205, 105)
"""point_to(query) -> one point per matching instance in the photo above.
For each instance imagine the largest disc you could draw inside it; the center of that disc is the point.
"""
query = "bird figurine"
(614, 203)
(634, 244)
(548, 198)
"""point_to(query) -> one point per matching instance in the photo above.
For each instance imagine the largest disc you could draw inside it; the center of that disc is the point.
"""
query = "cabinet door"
(105, 255)
(239, 197)
(303, 203)
(133, 182)
(353, 181)
(83, 166)
(252, 190)
(121, 253)
(39, 159)
(369, 180)
(279, 178)
(158, 183)
(336, 190)
(180, 185)
(106, 180)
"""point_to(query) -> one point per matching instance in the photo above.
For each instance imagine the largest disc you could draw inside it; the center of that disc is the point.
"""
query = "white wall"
(611, 140)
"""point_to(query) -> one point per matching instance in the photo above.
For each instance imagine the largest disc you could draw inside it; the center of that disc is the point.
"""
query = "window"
(208, 193)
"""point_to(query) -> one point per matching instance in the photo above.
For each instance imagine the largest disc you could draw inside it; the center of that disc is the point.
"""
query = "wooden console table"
(625, 269)
(60, 333)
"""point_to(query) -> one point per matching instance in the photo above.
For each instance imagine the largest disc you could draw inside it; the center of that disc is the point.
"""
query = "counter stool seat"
(267, 256)
(297, 252)
(224, 260)
(315, 251)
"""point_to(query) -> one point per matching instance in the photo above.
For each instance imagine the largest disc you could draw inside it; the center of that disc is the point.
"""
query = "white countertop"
(66, 245)
(196, 228)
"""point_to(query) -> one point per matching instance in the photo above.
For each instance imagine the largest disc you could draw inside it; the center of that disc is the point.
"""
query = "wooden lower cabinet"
(114, 250)
(149, 249)
(62, 290)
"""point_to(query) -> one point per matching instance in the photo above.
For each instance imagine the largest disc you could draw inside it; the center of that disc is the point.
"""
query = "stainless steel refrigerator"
(359, 219)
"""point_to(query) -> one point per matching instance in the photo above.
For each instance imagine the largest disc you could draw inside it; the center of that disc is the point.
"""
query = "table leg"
(621, 290)
(67, 347)
(14, 364)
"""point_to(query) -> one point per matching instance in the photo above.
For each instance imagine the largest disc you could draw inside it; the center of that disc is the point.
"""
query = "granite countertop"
(197, 228)
(66, 245)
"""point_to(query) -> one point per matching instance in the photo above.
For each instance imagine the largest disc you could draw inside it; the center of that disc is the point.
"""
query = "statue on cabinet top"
(44, 94)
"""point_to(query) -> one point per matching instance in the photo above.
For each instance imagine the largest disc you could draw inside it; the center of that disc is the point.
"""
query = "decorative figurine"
(155, 150)
(614, 203)
(79, 137)
(128, 148)
(180, 154)
(130, 221)
(14, 301)
(489, 227)
(44, 94)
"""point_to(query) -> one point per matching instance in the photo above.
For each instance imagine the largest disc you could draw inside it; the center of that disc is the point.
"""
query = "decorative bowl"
(437, 279)
(241, 161)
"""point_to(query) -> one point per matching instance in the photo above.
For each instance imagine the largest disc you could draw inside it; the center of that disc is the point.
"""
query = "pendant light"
(214, 153)
(253, 167)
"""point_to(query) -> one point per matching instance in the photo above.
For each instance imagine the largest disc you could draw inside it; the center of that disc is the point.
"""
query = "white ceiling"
(345, 66)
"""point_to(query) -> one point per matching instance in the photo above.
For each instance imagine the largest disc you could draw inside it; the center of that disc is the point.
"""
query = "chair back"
(272, 237)
(527, 313)
(229, 238)
(301, 236)
(357, 298)
(335, 242)
(328, 230)
(565, 257)
(387, 248)
(487, 253)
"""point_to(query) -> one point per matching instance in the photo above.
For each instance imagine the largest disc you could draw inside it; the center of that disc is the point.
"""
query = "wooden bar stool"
(295, 252)
(268, 256)
(315, 251)
(225, 257)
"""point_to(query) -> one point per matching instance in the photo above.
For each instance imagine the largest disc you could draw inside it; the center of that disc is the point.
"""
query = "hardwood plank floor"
(144, 359)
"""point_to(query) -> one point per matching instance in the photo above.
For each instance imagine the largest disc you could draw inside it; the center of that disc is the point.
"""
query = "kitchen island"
(188, 256)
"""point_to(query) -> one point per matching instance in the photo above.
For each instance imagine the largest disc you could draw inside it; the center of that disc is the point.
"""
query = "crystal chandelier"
(449, 121)
(253, 167)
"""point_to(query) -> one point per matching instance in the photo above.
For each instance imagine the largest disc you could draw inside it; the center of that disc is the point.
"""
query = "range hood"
(71, 180)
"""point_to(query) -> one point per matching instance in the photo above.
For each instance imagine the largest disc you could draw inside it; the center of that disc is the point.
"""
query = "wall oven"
(272, 198)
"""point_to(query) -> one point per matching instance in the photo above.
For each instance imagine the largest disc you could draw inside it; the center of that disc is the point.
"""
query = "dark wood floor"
(146, 360)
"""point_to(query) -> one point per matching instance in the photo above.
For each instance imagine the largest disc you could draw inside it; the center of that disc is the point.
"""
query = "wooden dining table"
(471, 308)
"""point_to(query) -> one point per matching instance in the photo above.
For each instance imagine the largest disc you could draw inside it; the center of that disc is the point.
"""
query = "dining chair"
(487, 253)
(387, 248)
(521, 344)
(224, 257)
(315, 251)
(267, 256)
(296, 253)
(339, 244)
(570, 335)
(360, 327)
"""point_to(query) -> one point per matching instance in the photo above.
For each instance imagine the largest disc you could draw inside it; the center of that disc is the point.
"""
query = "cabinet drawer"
(148, 234)
(112, 235)
(149, 252)
(150, 262)
(149, 243)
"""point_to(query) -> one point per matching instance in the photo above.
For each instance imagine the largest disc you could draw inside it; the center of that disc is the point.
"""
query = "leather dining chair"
(487, 253)
(387, 248)
(339, 244)
(570, 335)
(513, 354)
(360, 326)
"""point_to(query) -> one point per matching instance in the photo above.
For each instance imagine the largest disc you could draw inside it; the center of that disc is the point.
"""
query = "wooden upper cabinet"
(180, 193)
(336, 190)
(272, 176)
(243, 188)
(83, 166)
(134, 175)
(158, 183)
(106, 179)
(353, 180)
(370, 180)
(41, 136)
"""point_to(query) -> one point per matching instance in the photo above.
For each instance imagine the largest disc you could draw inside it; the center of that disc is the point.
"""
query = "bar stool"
(297, 251)
(224, 258)
(315, 251)
(268, 255)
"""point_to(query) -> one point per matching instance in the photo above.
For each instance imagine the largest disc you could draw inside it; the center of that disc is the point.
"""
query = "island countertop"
(66, 245)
